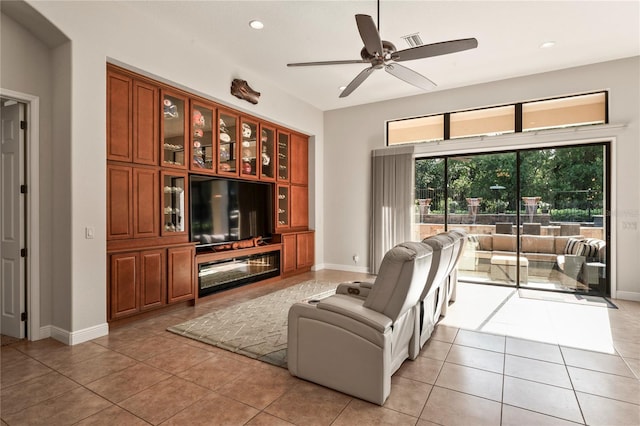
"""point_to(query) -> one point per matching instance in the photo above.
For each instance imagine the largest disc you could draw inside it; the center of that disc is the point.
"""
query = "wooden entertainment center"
(157, 136)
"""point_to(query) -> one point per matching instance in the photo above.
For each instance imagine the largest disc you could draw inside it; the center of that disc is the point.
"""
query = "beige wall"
(26, 67)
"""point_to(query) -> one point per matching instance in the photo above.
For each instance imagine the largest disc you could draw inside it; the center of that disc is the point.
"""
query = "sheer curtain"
(391, 202)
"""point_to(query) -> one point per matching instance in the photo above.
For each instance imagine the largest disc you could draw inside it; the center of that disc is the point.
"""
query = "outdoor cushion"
(538, 243)
(503, 242)
(574, 246)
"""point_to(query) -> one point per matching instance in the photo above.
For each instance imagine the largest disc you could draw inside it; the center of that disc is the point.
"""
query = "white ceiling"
(509, 34)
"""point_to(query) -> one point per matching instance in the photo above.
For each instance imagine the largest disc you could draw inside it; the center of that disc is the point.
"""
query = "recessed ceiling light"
(256, 25)
(547, 44)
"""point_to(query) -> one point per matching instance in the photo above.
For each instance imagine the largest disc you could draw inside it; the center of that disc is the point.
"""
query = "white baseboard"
(45, 332)
(75, 337)
(347, 268)
(628, 295)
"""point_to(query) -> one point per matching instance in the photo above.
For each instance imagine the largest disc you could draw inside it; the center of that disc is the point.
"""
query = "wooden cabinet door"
(227, 137)
(249, 149)
(299, 206)
(119, 202)
(305, 250)
(268, 155)
(181, 283)
(123, 284)
(146, 203)
(146, 146)
(204, 134)
(119, 100)
(299, 160)
(152, 279)
(174, 128)
(283, 207)
(175, 203)
(288, 253)
(282, 148)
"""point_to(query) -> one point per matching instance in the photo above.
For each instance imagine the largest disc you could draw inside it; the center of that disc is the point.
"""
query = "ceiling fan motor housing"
(388, 49)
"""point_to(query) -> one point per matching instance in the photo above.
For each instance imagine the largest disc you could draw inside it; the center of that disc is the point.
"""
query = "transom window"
(566, 111)
(486, 121)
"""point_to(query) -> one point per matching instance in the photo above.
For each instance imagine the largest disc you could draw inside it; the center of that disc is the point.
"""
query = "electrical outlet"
(356, 258)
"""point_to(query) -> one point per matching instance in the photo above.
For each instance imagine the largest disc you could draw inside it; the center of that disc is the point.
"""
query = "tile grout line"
(573, 388)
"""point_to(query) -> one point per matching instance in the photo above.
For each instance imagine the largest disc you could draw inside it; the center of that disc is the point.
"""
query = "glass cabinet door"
(283, 156)
(249, 148)
(202, 137)
(267, 159)
(282, 204)
(174, 203)
(227, 143)
(173, 130)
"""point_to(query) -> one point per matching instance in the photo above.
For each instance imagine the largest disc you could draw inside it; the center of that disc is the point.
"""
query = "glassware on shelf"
(173, 137)
(283, 206)
(173, 204)
(267, 148)
(202, 124)
(249, 149)
(227, 157)
(283, 156)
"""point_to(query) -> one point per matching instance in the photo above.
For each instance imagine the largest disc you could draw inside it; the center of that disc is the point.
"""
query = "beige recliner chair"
(434, 294)
(354, 345)
(460, 242)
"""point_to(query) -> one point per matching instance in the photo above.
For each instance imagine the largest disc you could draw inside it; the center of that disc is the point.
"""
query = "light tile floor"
(496, 359)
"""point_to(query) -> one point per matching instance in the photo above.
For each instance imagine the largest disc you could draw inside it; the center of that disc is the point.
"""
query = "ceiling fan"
(383, 54)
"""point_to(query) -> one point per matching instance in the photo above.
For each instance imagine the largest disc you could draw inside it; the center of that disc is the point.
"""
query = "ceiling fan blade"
(308, 64)
(435, 49)
(410, 76)
(357, 82)
(369, 34)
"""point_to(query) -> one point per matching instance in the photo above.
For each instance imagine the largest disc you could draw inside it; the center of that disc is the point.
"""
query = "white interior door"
(12, 233)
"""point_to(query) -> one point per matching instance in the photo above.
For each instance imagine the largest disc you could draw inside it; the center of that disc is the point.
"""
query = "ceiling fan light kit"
(383, 54)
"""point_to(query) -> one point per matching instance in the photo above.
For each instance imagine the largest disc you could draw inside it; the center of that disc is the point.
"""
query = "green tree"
(571, 176)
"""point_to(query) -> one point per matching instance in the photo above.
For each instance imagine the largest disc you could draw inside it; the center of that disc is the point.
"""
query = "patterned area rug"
(256, 328)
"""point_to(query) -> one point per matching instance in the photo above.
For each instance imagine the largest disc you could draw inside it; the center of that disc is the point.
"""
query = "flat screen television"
(225, 210)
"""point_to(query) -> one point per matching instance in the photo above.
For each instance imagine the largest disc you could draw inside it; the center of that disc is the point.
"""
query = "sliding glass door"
(535, 218)
(563, 228)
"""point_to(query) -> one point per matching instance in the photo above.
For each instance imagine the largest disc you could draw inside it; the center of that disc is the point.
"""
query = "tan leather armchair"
(354, 345)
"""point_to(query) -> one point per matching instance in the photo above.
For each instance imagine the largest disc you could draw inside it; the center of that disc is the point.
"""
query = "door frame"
(32, 154)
